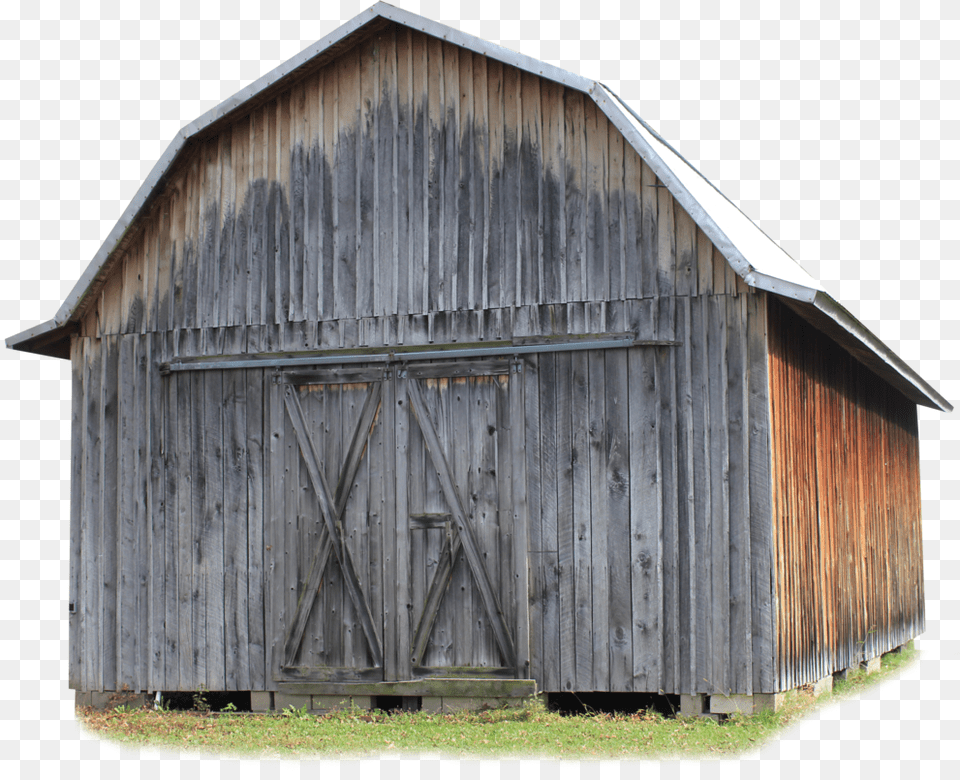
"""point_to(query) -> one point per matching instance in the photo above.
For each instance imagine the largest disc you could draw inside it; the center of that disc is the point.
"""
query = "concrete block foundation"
(767, 701)
(823, 685)
(316, 703)
(870, 666)
(727, 705)
(692, 706)
(297, 701)
(715, 705)
(438, 704)
(110, 700)
(330, 702)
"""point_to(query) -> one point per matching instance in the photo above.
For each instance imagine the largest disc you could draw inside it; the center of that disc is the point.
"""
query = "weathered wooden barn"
(421, 368)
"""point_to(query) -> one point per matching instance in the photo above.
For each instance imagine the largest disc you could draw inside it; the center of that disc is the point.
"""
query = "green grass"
(527, 731)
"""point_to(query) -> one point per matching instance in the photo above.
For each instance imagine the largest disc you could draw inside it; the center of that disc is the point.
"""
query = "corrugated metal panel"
(846, 492)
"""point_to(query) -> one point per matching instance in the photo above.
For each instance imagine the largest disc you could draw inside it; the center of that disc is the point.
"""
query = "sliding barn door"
(335, 477)
(460, 510)
(403, 548)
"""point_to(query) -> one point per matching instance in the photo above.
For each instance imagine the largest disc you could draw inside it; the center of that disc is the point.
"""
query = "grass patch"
(528, 731)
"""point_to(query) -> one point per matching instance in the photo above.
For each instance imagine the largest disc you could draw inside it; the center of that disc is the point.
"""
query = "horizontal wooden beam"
(404, 354)
(434, 686)
(431, 520)
(318, 676)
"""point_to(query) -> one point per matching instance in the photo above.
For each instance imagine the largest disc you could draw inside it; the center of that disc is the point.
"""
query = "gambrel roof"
(758, 260)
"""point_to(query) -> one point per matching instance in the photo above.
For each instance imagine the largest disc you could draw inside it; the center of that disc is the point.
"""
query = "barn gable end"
(415, 363)
(454, 184)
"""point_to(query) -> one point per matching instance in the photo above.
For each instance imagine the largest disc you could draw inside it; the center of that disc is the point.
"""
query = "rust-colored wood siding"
(846, 496)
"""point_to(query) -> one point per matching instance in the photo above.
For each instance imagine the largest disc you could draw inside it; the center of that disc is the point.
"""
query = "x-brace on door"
(404, 548)
(334, 474)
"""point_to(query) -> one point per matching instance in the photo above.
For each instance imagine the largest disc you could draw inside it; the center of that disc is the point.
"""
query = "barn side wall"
(846, 492)
(414, 193)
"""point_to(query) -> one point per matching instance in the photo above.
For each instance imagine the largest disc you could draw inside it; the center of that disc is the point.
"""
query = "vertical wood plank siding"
(406, 177)
(846, 502)
(677, 599)
(413, 193)
(166, 578)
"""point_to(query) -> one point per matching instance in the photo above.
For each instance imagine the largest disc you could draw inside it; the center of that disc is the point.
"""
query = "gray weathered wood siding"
(411, 192)
(648, 487)
(167, 578)
(405, 178)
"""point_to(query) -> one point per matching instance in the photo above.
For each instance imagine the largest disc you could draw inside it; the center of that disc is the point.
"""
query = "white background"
(836, 131)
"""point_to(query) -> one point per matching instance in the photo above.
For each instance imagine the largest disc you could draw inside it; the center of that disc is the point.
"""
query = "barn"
(423, 371)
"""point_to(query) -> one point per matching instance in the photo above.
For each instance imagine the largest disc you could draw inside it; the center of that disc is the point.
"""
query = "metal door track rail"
(404, 354)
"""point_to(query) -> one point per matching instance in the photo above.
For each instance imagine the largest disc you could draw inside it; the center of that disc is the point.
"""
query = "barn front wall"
(415, 193)
(628, 552)
(846, 498)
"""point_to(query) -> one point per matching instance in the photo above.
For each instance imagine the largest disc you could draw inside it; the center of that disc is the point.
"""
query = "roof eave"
(780, 286)
(48, 338)
(37, 331)
(914, 384)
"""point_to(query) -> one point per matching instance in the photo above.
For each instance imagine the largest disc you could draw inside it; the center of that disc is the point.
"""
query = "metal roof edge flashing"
(793, 283)
(742, 242)
(788, 289)
(486, 48)
(840, 315)
(13, 342)
(284, 69)
(601, 95)
(80, 290)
